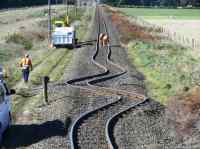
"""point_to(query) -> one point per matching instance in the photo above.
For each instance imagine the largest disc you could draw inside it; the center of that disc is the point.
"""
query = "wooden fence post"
(45, 88)
(183, 40)
(175, 36)
(193, 43)
(188, 41)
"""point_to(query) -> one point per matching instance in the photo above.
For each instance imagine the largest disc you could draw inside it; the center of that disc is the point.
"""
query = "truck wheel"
(76, 41)
(74, 44)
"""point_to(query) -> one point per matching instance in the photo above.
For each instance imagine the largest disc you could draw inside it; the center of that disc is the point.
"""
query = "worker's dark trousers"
(25, 74)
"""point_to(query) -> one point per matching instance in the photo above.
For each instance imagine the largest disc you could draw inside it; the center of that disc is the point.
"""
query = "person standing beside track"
(26, 65)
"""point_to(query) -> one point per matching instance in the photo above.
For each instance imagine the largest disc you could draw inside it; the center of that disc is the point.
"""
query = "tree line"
(164, 3)
(23, 3)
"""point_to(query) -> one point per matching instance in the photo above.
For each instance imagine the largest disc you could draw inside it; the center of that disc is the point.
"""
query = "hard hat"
(26, 55)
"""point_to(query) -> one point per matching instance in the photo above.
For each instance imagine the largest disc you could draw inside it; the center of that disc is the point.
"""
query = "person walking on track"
(26, 65)
(103, 39)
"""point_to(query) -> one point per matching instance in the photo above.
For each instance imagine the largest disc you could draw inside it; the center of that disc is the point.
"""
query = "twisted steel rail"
(92, 80)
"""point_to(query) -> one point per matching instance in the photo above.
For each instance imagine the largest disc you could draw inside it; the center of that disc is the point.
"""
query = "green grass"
(57, 73)
(18, 38)
(52, 62)
(154, 13)
(84, 20)
(168, 68)
(47, 66)
(14, 71)
(10, 53)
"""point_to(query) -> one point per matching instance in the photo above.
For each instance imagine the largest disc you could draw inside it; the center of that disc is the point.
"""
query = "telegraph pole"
(67, 8)
(75, 6)
(49, 22)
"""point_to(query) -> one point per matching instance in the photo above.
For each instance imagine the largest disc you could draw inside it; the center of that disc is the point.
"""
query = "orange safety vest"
(25, 63)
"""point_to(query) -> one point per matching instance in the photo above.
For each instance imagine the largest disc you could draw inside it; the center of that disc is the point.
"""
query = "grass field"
(169, 68)
(185, 23)
(150, 13)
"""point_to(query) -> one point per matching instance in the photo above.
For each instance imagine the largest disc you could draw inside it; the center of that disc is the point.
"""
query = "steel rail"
(122, 72)
(82, 117)
(111, 122)
(91, 81)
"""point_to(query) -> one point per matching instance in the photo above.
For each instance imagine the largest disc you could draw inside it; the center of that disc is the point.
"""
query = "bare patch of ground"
(128, 30)
(185, 111)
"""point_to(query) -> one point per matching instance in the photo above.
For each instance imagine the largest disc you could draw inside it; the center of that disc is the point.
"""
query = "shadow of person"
(25, 135)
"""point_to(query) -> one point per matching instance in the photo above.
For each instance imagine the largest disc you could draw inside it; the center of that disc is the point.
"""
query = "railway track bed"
(88, 130)
(89, 127)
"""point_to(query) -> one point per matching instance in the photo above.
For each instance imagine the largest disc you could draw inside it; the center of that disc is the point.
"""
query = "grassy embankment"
(25, 40)
(54, 66)
(168, 67)
(51, 62)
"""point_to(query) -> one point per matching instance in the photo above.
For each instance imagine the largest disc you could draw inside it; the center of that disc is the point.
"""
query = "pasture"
(167, 66)
(157, 13)
(184, 23)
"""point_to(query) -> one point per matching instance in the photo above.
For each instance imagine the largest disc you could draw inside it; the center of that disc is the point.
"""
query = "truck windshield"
(59, 25)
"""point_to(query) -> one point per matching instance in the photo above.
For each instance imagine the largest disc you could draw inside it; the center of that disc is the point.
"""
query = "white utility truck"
(5, 105)
(63, 35)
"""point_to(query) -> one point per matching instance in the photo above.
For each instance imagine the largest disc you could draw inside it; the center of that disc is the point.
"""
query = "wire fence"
(184, 40)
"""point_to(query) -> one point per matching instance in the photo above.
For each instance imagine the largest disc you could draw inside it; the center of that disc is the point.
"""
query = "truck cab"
(58, 24)
(63, 35)
(5, 105)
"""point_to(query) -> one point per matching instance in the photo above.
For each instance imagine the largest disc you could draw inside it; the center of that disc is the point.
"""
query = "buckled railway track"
(88, 130)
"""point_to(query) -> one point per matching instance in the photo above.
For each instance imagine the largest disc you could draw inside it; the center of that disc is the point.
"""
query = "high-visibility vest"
(25, 63)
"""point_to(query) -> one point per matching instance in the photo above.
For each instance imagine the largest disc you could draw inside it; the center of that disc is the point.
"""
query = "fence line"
(169, 34)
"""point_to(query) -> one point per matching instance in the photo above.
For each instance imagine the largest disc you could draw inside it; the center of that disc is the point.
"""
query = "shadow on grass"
(25, 135)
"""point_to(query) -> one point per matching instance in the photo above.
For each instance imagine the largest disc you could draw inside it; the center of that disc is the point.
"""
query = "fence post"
(183, 40)
(45, 88)
(175, 36)
(193, 42)
(188, 41)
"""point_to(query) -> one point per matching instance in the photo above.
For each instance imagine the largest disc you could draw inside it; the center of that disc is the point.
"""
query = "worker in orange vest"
(26, 65)
(103, 39)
